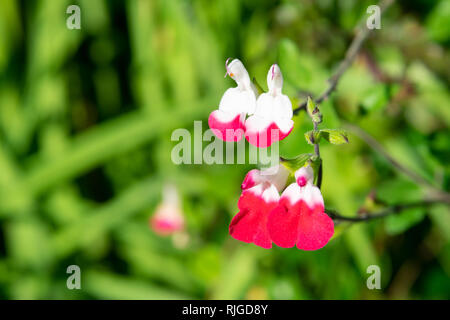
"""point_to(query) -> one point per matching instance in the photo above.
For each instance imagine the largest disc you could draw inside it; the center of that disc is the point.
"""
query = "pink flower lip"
(168, 217)
(232, 130)
(165, 227)
(251, 179)
(301, 181)
(266, 138)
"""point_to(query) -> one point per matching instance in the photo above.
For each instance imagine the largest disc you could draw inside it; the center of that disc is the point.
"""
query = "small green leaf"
(313, 111)
(334, 136)
(257, 86)
(310, 106)
(315, 163)
(313, 137)
(295, 163)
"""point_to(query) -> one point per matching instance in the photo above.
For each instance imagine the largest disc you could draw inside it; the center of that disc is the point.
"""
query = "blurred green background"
(86, 118)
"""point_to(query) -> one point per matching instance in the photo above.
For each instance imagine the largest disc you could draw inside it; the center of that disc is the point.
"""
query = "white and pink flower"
(299, 218)
(260, 195)
(168, 217)
(272, 119)
(227, 122)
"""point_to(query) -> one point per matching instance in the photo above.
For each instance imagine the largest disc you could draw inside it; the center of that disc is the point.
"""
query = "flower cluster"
(296, 218)
(270, 114)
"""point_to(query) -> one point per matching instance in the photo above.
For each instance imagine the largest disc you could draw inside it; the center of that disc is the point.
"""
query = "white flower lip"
(275, 79)
(237, 71)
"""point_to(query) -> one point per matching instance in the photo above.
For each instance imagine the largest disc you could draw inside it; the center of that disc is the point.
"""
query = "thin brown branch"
(375, 145)
(395, 209)
(352, 52)
(317, 152)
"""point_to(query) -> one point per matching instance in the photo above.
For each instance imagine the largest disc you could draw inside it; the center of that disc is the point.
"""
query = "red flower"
(299, 217)
(259, 196)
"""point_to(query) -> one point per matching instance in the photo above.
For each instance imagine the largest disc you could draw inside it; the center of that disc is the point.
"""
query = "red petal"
(265, 138)
(282, 225)
(250, 224)
(298, 224)
(315, 229)
(232, 130)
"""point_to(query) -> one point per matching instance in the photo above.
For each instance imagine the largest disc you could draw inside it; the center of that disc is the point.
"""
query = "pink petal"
(250, 224)
(227, 127)
(164, 226)
(252, 178)
(267, 136)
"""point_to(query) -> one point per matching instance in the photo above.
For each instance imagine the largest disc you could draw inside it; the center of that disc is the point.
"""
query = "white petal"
(283, 106)
(238, 73)
(235, 101)
(256, 123)
(275, 79)
(274, 107)
(312, 195)
(277, 175)
(170, 195)
(271, 194)
(264, 106)
(293, 193)
(284, 124)
(225, 117)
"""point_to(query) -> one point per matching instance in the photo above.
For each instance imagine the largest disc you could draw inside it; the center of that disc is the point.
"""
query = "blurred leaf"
(296, 163)
(236, 275)
(334, 136)
(401, 222)
(106, 285)
(399, 190)
(437, 22)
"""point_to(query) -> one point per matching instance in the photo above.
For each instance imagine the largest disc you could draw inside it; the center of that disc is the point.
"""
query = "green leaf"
(297, 162)
(312, 137)
(310, 106)
(107, 285)
(257, 86)
(334, 136)
(399, 223)
(375, 98)
(237, 274)
(313, 111)
(437, 22)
